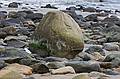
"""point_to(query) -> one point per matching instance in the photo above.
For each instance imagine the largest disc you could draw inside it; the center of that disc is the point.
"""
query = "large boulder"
(60, 33)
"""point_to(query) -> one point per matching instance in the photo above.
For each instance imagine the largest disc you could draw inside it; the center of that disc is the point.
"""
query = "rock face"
(63, 35)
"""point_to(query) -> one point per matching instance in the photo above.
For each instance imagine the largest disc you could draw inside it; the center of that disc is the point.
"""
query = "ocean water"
(51, 1)
(62, 4)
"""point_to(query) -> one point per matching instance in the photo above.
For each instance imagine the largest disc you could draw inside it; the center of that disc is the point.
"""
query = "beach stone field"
(49, 42)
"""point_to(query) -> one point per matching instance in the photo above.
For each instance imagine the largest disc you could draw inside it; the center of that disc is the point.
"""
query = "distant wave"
(111, 1)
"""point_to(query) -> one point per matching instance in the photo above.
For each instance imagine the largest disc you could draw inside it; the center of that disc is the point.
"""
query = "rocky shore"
(48, 43)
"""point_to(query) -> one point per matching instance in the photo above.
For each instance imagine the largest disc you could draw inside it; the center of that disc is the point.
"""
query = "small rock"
(2, 64)
(64, 70)
(2, 49)
(97, 74)
(27, 11)
(103, 78)
(89, 9)
(29, 24)
(71, 8)
(0, 6)
(10, 74)
(12, 14)
(85, 56)
(36, 17)
(22, 38)
(82, 76)
(116, 62)
(2, 42)
(111, 57)
(21, 69)
(105, 65)
(15, 43)
(29, 78)
(98, 56)
(23, 13)
(83, 66)
(112, 19)
(11, 30)
(93, 49)
(13, 5)
(111, 72)
(92, 17)
(94, 56)
(111, 47)
(55, 59)
(77, 59)
(40, 68)
(55, 65)
(23, 31)
(13, 55)
(49, 6)
(24, 8)
(11, 22)
(2, 34)
(3, 16)
(28, 61)
(117, 69)
(80, 6)
(102, 14)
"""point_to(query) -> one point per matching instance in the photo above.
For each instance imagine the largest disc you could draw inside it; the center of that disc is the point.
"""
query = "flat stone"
(64, 70)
